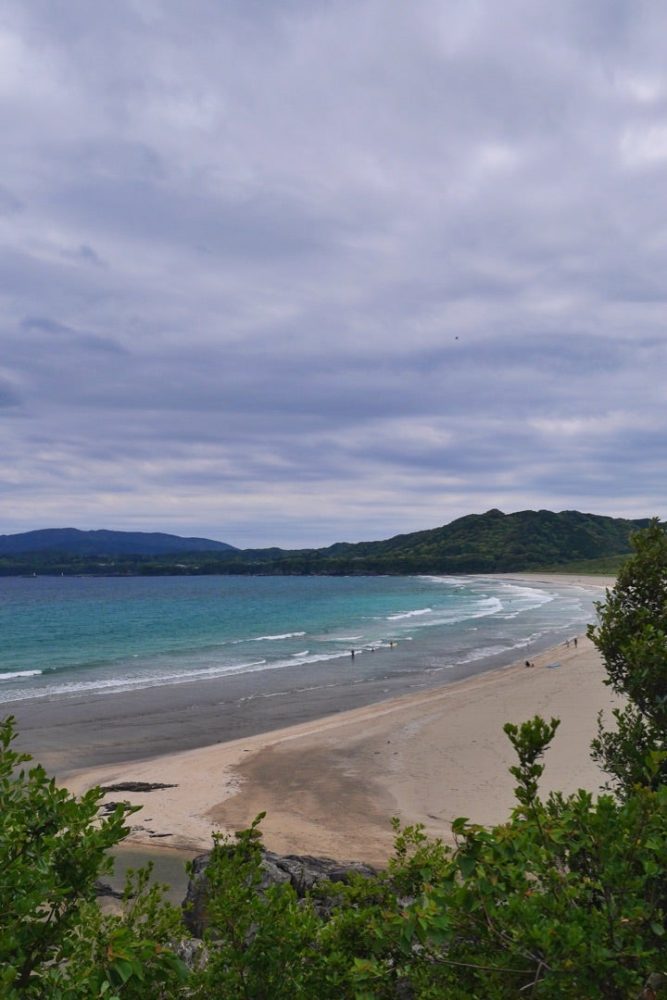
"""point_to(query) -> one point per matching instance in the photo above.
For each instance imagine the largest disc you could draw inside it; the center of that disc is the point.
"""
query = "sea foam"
(410, 614)
(19, 673)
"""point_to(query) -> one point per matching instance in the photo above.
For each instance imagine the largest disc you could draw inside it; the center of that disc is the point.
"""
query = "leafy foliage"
(631, 635)
(262, 944)
(54, 941)
(566, 900)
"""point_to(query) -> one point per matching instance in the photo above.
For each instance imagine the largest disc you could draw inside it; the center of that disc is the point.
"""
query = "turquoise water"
(63, 636)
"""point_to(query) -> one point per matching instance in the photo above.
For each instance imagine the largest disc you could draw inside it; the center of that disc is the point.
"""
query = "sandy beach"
(330, 785)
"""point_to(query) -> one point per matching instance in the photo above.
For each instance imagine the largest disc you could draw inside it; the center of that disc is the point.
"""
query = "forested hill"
(497, 542)
(105, 543)
(478, 543)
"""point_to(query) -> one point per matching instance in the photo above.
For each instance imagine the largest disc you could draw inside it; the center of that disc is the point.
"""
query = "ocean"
(66, 637)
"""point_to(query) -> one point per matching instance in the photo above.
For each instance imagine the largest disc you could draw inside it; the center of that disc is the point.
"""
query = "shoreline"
(94, 728)
(330, 786)
(329, 762)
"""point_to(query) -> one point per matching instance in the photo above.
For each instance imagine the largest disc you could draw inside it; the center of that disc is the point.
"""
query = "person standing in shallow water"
(352, 654)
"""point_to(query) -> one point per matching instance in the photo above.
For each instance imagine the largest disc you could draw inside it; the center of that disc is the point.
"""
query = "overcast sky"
(315, 270)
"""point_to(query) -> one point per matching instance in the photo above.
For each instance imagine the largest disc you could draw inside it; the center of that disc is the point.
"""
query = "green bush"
(565, 900)
(54, 941)
(631, 635)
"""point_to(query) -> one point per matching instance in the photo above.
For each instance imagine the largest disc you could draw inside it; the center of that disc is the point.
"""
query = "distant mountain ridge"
(493, 542)
(106, 543)
(526, 537)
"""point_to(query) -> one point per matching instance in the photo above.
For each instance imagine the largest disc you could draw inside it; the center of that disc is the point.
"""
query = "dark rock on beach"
(135, 786)
(104, 889)
(108, 807)
(306, 874)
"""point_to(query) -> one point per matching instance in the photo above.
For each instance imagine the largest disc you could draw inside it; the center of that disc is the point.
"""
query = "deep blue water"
(65, 635)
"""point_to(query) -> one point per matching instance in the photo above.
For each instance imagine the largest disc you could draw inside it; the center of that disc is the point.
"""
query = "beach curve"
(330, 785)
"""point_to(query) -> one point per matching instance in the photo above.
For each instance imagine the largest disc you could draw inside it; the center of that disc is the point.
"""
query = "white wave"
(452, 581)
(535, 595)
(485, 608)
(303, 653)
(493, 603)
(261, 638)
(118, 685)
(531, 592)
(274, 638)
(343, 638)
(19, 673)
(480, 654)
(410, 614)
(314, 658)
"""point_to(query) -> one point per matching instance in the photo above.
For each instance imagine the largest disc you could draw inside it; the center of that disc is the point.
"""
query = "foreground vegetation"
(565, 900)
(486, 543)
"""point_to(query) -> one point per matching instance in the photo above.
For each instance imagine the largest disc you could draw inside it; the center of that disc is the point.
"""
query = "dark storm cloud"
(301, 272)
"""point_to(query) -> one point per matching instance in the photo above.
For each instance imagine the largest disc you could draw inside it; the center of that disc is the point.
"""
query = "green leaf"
(466, 865)
(123, 968)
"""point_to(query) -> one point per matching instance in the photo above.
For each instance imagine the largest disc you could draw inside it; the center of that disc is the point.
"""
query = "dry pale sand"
(330, 786)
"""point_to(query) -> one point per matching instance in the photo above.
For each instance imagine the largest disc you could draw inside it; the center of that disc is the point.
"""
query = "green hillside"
(478, 543)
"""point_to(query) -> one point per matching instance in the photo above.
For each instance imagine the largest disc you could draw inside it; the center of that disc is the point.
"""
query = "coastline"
(330, 785)
(330, 763)
(88, 728)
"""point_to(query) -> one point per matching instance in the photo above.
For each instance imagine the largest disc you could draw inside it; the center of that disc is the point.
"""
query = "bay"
(63, 637)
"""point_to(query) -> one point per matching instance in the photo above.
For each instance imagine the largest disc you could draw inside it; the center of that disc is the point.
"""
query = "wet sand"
(330, 763)
(89, 730)
(330, 786)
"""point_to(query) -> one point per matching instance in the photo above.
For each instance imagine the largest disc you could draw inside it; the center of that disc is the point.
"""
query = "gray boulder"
(306, 874)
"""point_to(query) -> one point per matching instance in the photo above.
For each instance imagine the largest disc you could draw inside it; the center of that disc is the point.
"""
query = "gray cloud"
(8, 395)
(85, 254)
(9, 204)
(302, 272)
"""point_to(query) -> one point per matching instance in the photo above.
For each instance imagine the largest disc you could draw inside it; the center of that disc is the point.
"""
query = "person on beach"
(575, 642)
(352, 654)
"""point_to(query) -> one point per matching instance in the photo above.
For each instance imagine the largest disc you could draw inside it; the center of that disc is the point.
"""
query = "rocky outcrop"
(104, 889)
(306, 874)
